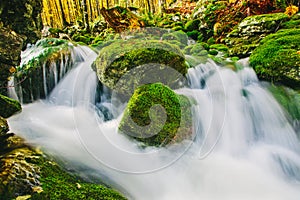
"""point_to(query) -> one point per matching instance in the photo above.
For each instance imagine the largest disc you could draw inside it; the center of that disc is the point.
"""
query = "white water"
(244, 146)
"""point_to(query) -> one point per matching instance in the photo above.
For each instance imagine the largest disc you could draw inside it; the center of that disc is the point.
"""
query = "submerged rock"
(290, 101)
(157, 116)
(8, 106)
(277, 59)
(147, 61)
(247, 35)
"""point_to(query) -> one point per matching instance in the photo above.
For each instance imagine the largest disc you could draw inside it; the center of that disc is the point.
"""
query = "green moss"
(177, 35)
(57, 184)
(195, 60)
(25, 171)
(120, 57)
(277, 58)
(192, 25)
(193, 34)
(213, 52)
(8, 106)
(219, 47)
(136, 116)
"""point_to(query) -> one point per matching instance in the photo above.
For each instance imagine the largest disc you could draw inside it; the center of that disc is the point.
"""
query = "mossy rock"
(277, 59)
(195, 60)
(179, 36)
(120, 57)
(3, 126)
(219, 47)
(192, 25)
(26, 171)
(193, 34)
(37, 74)
(8, 106)
(144, 121)
(288, 98)
(250, 31)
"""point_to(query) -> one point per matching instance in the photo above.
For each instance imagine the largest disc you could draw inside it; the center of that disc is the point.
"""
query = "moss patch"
(8, 106)
(149, 127)
(277, 59)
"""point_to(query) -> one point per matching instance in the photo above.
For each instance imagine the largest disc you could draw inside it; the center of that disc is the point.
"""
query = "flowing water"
(244, 147)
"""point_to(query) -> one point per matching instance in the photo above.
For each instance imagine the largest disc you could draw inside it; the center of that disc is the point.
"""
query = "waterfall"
(38, 81)
(244, 148)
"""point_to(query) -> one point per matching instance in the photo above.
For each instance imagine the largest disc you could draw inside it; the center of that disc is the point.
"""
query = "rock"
(277, 58)
(24, 17)
(10, 49)
(147, 61)
(41, 68)
(26, 171)
(156, 125)
(290, 101)
(3, 126)
(247, 35)
(8, 106)
(192, 25)
(179, 36)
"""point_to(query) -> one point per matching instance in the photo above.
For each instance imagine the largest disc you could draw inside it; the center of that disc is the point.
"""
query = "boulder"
(8, 106)
(144, 61)
(157, 116)
(277, 58)
(246, 36)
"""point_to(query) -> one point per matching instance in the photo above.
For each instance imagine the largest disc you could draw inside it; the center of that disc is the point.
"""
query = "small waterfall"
(245, 148)
(32, 84)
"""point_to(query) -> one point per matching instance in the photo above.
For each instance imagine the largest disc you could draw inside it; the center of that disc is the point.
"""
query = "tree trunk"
(85, 15)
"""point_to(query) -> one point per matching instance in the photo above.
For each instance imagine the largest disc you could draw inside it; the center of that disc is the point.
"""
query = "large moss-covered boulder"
(24, 17)
(277, 59)
(43, 65)
(157, 116)
(120, 57)
(8, 106)
(247, 35)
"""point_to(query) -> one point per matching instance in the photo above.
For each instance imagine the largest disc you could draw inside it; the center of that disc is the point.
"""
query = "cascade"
(29, 84)
(244, 147)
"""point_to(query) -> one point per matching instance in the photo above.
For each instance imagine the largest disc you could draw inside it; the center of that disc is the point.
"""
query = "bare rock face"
(24, 17)
(10, 48)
